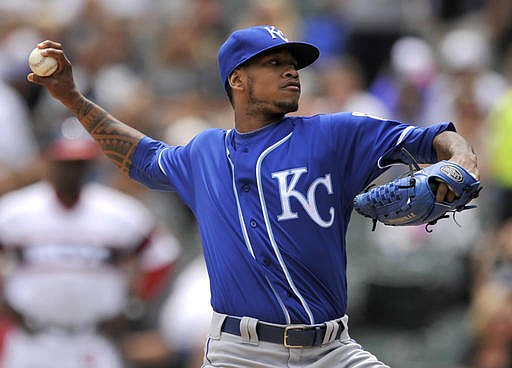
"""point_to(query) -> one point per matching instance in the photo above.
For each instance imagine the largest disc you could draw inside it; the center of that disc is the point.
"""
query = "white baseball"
(43, 66)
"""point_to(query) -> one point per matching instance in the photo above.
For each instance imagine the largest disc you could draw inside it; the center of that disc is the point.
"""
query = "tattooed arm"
(117, 140)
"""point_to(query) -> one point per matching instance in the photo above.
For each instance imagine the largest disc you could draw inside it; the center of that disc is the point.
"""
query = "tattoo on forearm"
(117, 140)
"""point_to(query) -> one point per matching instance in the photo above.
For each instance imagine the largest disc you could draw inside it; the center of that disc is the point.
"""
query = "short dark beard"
(287, 106)
(284, 107)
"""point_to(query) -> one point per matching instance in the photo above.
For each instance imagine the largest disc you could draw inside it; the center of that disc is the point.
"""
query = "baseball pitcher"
(273, 198)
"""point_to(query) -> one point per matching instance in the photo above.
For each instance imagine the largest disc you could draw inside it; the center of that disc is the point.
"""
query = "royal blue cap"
(244, 44)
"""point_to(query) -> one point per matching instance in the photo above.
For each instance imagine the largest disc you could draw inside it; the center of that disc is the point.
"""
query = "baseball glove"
(411, 200)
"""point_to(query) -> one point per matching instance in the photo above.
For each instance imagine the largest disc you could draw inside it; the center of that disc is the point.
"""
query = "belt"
(291, 336)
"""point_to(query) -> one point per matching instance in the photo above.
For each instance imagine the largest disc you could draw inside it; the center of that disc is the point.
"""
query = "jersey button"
(267, 262)
(246, 188)
(245, 149)
(253, 223)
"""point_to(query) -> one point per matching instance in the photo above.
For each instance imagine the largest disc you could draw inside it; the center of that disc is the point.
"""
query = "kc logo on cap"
(244, 44)
(274, 32)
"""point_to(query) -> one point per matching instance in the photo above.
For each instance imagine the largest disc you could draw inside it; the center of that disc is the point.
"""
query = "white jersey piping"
(239, 209)
(269, 228)
(160, 161)
(244, 230)
(402, 136)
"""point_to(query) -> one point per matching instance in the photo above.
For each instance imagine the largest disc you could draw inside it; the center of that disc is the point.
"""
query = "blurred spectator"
(340, 87)
(95, 34)
(498, 151)
(186, 46)
(375, 27)
(454, 9)
(406, 85)
(471, 120)
(491, 321)
(186, 315)
(497, 16)
(78, 254)
(493, 259)
(18, 146)
(284, 13)
(43, 13)
(429, 268)
(16, 42)
(466, 68)
(325, 26)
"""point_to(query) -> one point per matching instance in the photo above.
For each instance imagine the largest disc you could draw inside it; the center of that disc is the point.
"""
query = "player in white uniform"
(69, 241)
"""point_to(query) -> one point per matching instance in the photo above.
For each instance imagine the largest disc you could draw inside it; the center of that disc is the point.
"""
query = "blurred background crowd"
(417, 299)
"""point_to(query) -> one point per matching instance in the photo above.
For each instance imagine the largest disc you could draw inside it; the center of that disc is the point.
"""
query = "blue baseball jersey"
(273, 205)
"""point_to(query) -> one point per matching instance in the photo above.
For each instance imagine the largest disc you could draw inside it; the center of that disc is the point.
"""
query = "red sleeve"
(152, 282)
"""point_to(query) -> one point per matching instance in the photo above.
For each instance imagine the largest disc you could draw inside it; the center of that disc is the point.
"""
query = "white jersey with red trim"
(56, 348)
(67, 268)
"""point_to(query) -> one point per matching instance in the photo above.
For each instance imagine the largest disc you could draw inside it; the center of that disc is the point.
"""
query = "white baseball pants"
(230, 351)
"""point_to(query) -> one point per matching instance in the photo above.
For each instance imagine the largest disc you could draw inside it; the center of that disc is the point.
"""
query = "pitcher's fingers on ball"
(55, 53)
(34, 78)
(51, 51)
(49, 44)
(41, 64)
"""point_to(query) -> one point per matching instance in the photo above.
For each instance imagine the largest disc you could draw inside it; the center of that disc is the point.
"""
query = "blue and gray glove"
(411, 200)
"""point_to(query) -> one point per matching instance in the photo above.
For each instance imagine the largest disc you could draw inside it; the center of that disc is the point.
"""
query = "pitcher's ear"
(235, 79)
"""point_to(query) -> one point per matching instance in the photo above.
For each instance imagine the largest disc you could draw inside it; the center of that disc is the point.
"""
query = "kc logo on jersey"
(287, 191)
